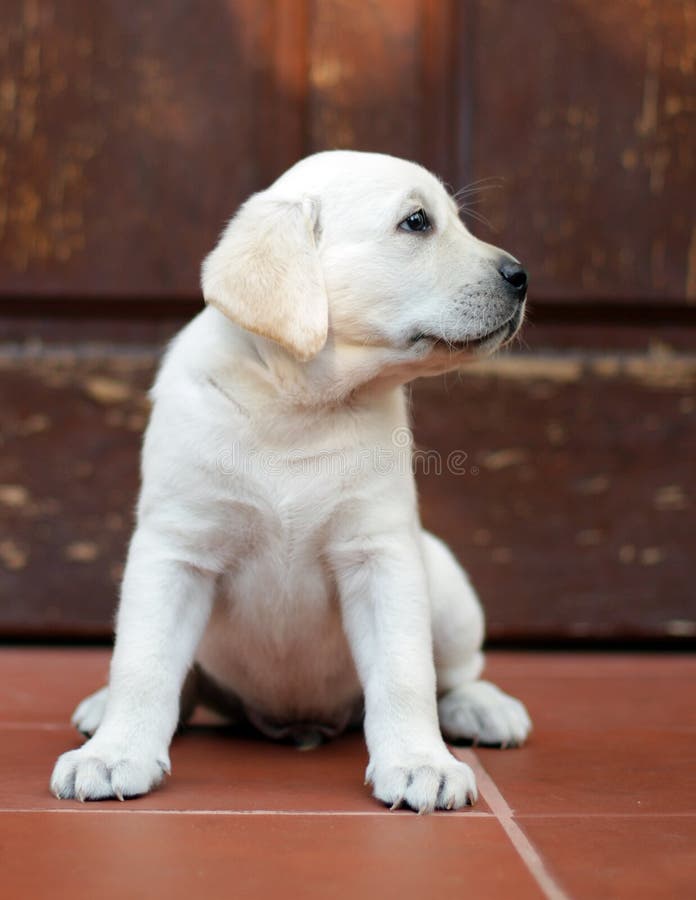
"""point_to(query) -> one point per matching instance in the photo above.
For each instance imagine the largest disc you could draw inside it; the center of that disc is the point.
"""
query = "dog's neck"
(259, 376)
(343, 379)
(342, 373)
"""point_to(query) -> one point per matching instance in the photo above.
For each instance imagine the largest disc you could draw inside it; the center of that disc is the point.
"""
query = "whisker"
(518, 339)
(486, 180)
(479, 217)
(482, 184)
(475, 192)
(468, 203)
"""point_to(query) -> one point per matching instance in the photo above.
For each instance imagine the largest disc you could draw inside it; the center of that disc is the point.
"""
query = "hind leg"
(90, 712)
(468, 708)
(88, 715)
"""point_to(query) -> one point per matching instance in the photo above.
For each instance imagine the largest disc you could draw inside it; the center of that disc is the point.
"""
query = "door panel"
(130, 132)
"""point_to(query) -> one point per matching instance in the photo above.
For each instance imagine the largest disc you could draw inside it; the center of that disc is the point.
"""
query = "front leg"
(165, 606)
(386, 616)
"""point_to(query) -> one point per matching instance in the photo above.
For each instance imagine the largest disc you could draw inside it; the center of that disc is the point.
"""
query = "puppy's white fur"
(278, 541)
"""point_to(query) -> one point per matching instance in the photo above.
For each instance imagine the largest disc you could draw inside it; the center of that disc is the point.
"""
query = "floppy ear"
(264, 274)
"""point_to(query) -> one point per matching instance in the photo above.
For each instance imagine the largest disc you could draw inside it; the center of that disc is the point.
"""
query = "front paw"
(424, 783)
(480, 712)
(98, 771)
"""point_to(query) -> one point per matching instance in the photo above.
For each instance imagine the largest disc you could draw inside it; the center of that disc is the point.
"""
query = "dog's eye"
(417, 221)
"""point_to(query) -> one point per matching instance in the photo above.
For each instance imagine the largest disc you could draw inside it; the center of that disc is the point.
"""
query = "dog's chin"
(483, 345)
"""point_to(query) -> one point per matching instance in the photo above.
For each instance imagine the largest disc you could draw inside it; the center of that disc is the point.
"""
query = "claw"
(119, 795)
(396, 804)
(164, 766)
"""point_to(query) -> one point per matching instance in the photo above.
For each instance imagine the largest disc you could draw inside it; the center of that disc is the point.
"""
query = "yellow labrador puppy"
(278, 558)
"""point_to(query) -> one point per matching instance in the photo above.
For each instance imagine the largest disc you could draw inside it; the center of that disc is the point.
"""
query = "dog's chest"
(275, 516)
(276, 637)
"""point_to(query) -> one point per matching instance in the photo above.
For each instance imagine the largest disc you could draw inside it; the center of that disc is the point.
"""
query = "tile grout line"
(519, 840)
(610, 815)
(120, 811)
(468, 814)
(36, 726)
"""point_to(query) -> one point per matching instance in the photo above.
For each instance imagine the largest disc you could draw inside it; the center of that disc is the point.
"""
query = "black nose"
(515, 276)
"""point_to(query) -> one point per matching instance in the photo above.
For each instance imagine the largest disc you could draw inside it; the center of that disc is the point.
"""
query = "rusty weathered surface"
(588, 112)
(382, 77)
(573, 508)
(130, 133)
(365, 76)
(70, 431)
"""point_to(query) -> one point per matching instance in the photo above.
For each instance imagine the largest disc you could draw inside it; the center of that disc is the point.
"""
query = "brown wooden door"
(129, 133)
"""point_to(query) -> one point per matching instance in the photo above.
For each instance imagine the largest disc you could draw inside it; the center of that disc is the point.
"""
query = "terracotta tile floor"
(600, 804)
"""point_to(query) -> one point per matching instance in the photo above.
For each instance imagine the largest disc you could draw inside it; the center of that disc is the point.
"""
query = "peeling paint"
(136, 422)
(606, 368)
(574, 116)
(8, 95)
(680, 627)
(669, 372)
(551, 368)
(41, 203)
(675, 105)
(647, 123)
(13, 495)
(503, 459)
(31, 14)
(556, 433)
(82, 551)
(669, 497)
(651, 556)
(690, 287)
(13, 556)
(107, 390)
(328, 73)
(627, 554)
(629, 159)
